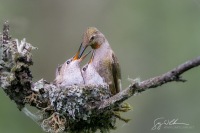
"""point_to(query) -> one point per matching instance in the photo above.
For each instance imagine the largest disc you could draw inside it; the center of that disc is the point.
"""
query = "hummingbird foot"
(117, 115)
(124, 107)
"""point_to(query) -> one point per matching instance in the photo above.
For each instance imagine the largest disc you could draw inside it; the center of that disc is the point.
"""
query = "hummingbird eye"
(92, 38)
(68, 62)
(84, 69)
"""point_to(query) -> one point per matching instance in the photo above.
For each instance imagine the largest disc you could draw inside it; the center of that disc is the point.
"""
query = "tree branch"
(138, 87)
(73, 108)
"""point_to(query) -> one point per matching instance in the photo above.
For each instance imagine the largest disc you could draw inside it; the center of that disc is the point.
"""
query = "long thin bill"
(81, 50)
(83, 57)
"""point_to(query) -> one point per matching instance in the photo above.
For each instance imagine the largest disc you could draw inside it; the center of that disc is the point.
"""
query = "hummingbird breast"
(92, 77)
(70, 75)
(103, 63)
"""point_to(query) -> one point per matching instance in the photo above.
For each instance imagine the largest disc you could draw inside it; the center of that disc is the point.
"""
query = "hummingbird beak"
(81, 50)
(92, 57)
(76, 56)
(83, 57)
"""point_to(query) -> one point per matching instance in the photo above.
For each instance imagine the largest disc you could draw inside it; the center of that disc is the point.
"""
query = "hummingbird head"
(92, 37)
(75, 60)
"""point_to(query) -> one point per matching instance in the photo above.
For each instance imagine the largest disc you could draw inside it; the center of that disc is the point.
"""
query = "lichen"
(16, 78)
(77, 105)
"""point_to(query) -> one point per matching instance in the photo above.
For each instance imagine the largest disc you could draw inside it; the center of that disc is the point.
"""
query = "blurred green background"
(149, 37)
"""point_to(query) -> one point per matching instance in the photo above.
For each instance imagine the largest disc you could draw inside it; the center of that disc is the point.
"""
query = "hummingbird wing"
(116, 71)
(58, 70)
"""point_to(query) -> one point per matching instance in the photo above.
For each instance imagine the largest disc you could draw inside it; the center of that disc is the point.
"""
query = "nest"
(72, 109)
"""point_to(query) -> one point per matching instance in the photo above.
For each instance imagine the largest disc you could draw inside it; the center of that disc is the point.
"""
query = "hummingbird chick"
(104, 61)
(90, 75)
(69, 73)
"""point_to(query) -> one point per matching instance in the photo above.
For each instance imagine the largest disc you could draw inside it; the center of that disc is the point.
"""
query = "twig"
(173, 75)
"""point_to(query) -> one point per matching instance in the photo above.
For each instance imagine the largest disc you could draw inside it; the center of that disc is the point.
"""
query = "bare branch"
(173, 75)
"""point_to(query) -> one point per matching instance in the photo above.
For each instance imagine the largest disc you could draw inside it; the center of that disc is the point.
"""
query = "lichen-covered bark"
(16, 78)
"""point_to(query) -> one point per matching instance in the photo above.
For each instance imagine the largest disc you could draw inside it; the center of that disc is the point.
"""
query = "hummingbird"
(69, 73)
(104, 61)
(90, 75)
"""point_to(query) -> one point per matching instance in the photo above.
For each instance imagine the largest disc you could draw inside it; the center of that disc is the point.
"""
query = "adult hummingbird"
(90, 75)
(69, 73)
(104, 61)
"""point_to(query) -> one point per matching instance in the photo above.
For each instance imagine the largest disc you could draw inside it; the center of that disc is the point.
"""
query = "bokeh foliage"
(149, 38)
